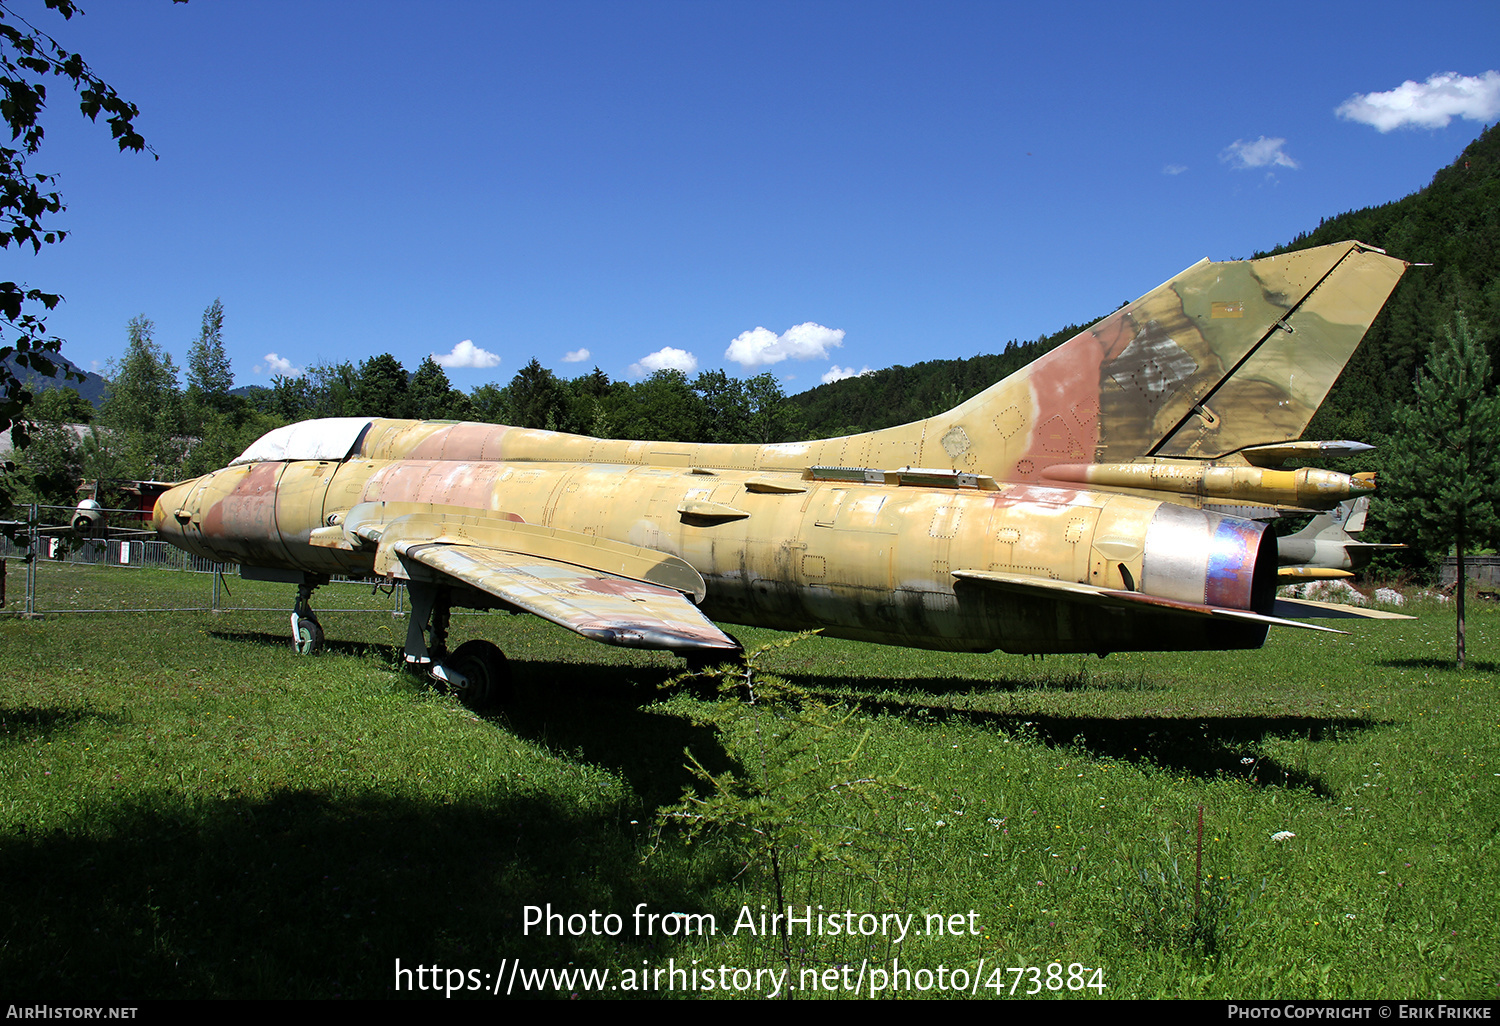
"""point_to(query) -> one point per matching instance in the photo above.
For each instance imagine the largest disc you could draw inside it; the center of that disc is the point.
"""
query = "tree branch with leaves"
(31, 60)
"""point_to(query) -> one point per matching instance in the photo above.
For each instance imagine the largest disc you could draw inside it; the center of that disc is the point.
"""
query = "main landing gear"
(477, 671)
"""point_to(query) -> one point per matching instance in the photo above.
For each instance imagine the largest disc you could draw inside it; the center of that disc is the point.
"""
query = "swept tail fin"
(1221, 357)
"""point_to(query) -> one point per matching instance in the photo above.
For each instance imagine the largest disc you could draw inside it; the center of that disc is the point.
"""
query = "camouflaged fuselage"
(1087, 473)
(862, 560)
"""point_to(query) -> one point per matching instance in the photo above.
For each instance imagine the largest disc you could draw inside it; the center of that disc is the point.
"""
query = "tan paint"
(1058, 510)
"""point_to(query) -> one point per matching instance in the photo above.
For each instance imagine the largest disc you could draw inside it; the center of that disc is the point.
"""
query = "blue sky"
(787, 187)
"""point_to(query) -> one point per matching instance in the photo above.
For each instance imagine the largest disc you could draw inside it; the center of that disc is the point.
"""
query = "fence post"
(33, 544)
(218, 575)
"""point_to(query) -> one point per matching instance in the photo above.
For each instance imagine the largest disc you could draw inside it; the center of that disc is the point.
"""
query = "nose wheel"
(307, 632)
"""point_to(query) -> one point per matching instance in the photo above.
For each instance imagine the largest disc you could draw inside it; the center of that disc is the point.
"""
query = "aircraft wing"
(606, 591)
(599, 606)
(1087, 594)
(1333, 611)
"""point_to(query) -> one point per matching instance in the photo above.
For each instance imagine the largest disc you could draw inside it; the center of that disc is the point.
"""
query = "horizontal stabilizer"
(1277, 454)
(1092, 595)
(1332, 611)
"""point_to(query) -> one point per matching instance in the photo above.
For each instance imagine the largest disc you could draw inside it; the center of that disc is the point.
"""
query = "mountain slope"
(1452, 224)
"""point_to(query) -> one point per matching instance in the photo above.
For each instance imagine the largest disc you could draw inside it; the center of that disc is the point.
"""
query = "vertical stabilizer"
(1222, 356)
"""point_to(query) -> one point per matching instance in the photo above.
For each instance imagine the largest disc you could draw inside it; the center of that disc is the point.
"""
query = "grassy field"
(189, 809)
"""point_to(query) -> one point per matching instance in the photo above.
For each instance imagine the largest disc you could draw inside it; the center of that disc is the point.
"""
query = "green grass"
(188, 809)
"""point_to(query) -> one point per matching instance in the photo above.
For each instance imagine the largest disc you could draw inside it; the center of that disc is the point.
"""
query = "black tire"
(309, 637)
(487, 672)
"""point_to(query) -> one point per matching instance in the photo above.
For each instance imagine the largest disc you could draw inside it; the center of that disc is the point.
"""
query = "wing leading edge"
(599, 606)
(605, 591)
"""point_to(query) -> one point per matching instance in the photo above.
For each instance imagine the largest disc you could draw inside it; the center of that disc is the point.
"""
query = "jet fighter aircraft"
(1326, 548)
(1069, 508)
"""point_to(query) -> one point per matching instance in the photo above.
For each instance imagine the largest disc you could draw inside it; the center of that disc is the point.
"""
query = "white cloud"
(1430, 104)
(837, 373)
(576, 356)
(762, 347)
(275, 366)
(666, 358)
(1259, 153)
(467, 354)
(1174, 169)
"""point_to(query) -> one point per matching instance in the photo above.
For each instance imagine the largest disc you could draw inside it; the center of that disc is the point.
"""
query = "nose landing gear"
(307, 632)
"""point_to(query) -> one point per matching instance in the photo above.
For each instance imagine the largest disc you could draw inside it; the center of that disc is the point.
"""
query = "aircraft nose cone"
(163, 515)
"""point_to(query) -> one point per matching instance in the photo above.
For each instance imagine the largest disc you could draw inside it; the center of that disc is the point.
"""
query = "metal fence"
(56, 563)
(1484, 569)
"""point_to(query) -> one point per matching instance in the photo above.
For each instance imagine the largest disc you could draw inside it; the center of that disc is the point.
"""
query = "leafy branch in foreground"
(798, 798)
(28, 59)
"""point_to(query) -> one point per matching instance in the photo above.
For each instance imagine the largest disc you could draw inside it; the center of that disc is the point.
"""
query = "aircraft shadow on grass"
(22, 724)
(1206, 748)
(617, 732)
(646, 747)
(953, 685)
(1200, 746)
(1432, 663)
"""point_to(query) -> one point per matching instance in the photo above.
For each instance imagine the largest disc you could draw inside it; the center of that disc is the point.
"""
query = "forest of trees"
(1453, 224)
(711, 407)
(149, 428)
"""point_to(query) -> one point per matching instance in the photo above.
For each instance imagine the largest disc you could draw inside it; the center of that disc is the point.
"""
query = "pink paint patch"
(620, 586)
(1065, 388)
(466, 442)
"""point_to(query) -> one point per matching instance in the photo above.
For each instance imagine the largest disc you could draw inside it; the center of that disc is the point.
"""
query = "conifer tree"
(381, 389)
(1443, 476)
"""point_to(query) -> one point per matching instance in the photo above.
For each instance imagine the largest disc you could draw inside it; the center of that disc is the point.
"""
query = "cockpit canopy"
(332, 438)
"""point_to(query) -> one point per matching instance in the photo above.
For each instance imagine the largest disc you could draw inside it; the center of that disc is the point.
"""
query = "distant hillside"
(1453, 224)
(900, 395)
(91, 387)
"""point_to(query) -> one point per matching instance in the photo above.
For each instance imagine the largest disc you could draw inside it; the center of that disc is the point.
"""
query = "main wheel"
(487, 671)
(309, 637)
